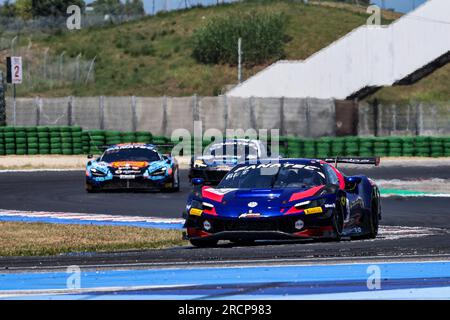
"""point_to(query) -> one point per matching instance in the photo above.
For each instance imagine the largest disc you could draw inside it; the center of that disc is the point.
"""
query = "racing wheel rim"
(338, 218)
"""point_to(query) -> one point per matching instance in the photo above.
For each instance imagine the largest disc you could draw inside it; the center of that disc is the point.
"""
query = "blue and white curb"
(397, 280)
(90, 219)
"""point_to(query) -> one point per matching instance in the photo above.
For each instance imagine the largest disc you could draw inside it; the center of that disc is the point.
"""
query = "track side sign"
(14, 70)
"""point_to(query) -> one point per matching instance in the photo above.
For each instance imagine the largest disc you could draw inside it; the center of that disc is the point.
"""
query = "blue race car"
(132, 166)
(284, 199)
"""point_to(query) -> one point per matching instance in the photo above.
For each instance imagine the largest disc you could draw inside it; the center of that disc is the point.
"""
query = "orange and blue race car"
(284, 199)
(132, 166)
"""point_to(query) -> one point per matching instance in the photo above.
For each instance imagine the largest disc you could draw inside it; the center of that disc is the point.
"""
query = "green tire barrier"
(74, 140)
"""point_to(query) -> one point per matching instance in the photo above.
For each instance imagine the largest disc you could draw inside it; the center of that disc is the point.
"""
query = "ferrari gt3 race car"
(132, 166)
(285, 199)
(220, 157)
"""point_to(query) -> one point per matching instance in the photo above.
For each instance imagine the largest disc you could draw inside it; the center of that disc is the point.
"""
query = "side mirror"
(90, 156)
(197, 181)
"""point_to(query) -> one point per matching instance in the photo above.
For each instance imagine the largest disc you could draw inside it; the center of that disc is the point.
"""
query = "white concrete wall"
(367, 56)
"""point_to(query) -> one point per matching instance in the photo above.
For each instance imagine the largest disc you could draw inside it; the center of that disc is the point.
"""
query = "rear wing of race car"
(354, 160)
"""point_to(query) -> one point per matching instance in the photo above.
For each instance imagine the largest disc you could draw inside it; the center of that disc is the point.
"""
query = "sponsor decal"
(330, 205)
(195, 212)
(250, 214)
(314, 210)
(252, 204)
(129, 164)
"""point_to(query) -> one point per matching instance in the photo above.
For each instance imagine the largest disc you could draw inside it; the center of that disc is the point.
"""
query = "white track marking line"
(88, 217)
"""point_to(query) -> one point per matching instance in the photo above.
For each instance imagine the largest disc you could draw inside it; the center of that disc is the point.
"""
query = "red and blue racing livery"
(284, 199)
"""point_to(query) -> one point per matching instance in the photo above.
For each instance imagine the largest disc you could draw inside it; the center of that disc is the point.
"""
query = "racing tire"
(338, 219)
(200, 243)
(175, 184)
(90, 189)
(374, 220)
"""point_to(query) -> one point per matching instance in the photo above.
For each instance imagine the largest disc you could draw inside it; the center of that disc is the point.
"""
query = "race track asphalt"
(64, 192)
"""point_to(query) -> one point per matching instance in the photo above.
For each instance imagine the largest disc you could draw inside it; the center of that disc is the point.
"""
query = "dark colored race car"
(220, 157)
(285, 199)
(132, 166)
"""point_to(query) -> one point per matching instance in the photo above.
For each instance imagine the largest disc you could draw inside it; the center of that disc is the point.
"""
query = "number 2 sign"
(14, 70)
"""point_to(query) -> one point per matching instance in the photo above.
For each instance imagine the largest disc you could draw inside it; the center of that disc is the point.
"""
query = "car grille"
(257, 224)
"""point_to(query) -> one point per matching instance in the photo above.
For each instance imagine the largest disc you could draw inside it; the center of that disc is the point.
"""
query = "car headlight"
(159, 172)
(97, 173)
(199, 164)
(310, 203)
(207, 206)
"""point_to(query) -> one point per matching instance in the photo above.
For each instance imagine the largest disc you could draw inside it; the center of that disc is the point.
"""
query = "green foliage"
(8, 9)
(263, 37)
(55, 8)
(116, 7)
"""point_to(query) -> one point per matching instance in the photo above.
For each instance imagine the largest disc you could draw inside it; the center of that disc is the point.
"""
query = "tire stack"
(283, 150)
(422, 146)
(66, 140)
(85, 141)
(129, 137)
(77, 140)
(10, 140)
(115, 137)
(96, 140)
(2, 141)
(20, 135)
(163, 140)
(32, 141)
(351, 146)
(380, 147)
(446, 144)
(323, 147)
(295, 147)
(366, 147)
(338, 147)
(55, 140)
(408, 146)
(437, 147)
(144, 137)
(43, 135)
(394, 146)
(309, 148)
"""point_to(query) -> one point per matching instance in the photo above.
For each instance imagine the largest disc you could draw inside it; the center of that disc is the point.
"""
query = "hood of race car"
(254, 202)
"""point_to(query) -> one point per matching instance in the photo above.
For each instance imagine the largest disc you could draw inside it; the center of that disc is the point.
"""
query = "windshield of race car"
(233, 149)
(273, 176)
(130, 154)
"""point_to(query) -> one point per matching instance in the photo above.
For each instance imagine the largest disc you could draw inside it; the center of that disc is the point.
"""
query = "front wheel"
(90, 189)
(175, 183)
(374, 221)
(200, 243)
(338, 219)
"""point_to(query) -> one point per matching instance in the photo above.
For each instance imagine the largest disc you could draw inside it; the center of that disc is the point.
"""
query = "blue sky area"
(398, 5)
